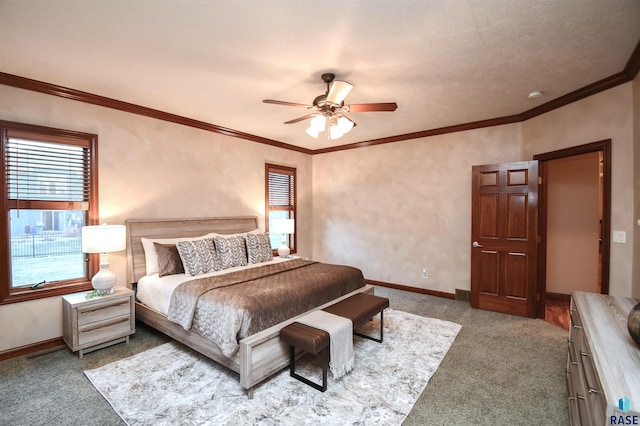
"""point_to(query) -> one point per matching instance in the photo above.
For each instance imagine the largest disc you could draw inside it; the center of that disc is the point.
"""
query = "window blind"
(281, 187)
(38, 170)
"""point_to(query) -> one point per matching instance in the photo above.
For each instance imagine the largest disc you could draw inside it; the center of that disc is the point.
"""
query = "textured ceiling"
(445, 62)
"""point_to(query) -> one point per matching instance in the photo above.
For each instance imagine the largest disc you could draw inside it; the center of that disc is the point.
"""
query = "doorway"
(575, 200)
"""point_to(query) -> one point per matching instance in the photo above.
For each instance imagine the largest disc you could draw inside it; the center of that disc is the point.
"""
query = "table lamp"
(284, 227)
(104, 239)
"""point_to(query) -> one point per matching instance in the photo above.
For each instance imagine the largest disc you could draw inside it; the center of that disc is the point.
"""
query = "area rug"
(171, 385)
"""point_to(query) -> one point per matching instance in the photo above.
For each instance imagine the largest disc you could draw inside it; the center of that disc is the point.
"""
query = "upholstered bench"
(358, 308)
(308, 339)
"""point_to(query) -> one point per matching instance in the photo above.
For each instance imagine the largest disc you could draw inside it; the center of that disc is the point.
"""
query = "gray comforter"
(230, 307)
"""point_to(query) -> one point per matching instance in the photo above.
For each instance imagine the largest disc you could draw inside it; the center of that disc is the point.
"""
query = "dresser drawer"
(602, 359)
(592, 388)
(103, 310)
(574, 415)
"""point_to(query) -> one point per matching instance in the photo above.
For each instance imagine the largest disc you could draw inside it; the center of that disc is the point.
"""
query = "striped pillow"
(198, 256)
(259, 248)
(231, 251)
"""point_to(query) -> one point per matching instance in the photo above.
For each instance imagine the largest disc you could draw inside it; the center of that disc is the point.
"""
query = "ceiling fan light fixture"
(316, 126)
(345, 124)
(327, 110)
(312, 132)
(335, 132)
(317, 123)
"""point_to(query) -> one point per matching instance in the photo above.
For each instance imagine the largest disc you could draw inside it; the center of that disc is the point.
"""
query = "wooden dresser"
(603, 363)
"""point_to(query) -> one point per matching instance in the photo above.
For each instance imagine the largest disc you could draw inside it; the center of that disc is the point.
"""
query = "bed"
(258, 353)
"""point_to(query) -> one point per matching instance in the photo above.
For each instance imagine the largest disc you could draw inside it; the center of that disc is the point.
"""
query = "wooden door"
(504, 234)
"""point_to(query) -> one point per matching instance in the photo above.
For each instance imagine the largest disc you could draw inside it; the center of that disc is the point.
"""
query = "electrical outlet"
(425, 273)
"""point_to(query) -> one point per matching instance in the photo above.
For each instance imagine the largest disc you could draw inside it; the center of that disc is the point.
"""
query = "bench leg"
(292, 369)
(381, 330)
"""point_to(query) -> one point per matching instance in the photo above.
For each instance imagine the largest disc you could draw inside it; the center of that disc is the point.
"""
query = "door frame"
(603, 146)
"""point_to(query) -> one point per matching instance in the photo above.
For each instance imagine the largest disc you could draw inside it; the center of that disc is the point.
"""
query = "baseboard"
(412, 289)
(558, 296)
(46, 345)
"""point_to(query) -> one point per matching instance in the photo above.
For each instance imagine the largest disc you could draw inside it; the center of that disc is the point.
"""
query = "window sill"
(42, 293)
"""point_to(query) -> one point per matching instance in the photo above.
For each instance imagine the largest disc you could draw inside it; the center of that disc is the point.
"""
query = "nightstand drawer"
(103, 329)
(103, 310)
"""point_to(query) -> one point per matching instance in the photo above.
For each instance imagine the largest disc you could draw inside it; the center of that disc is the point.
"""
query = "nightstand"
(92, 324)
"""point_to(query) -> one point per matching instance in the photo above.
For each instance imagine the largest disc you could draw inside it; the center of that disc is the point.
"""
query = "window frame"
(290, 171)
(52, 135)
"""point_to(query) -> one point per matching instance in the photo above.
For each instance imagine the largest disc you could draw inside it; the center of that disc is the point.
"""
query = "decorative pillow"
(169, 262)
(198, 256)
(259, 248)
(231, 251)
(150, 255)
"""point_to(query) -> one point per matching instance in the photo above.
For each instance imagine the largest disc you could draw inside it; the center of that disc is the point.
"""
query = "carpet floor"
(171, 384)
(500, 370)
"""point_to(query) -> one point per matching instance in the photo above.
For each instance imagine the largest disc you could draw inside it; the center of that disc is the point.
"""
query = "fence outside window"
(45, 244)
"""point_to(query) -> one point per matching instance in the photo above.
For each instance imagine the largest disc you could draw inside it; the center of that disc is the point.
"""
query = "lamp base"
(283, 251)
(104, 280)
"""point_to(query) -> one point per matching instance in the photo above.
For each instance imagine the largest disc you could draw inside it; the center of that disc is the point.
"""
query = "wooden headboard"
(175, 228)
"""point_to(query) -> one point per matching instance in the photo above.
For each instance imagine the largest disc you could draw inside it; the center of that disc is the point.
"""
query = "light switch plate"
(619, 237)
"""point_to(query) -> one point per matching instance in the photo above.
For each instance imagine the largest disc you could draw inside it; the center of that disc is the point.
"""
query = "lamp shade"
(103, 238)
(283, 226)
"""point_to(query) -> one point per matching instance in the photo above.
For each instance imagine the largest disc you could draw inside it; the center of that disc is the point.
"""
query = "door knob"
(477, 244)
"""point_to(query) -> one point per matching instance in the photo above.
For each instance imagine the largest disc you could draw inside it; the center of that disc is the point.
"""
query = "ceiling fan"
(329, 111)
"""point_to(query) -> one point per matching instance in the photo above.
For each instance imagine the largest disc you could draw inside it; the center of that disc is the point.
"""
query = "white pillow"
(150, 254)
(242, 234)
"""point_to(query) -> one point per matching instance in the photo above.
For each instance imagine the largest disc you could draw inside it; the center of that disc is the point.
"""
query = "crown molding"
(90, 98)
(628, 74)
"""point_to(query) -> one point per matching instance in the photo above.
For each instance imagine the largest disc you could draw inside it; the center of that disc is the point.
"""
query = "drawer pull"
(593, 390)
(584, 354)
(581, 397)
(572, 398)
(579, 327)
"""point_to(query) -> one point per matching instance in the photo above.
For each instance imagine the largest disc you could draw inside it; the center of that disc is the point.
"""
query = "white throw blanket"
(340, 331)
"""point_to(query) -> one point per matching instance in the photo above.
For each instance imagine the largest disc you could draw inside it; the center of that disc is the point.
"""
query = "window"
(280, 201)
(49, 191)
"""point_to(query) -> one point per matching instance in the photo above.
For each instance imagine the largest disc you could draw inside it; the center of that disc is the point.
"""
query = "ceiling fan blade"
(339, 90)
(296, 120)
(293, 104)
(381, 106)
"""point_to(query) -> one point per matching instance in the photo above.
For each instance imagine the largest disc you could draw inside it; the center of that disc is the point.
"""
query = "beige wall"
(393, 210)
(607, 115)
(150, 168)
(573, 223)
